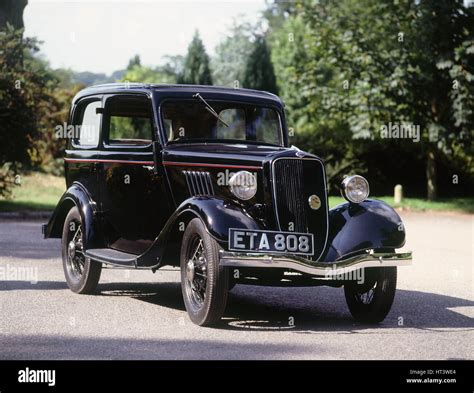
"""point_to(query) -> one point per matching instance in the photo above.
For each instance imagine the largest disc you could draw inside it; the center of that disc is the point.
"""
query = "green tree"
(47, 151)
(134, 61)
(24, 96)
(144, 74)
(259, 73)
(442, 56)
(196, 69)
(11, 11)
(167, 73)
(358, 65)
(289, 57)
(229, 63)
(173, 66)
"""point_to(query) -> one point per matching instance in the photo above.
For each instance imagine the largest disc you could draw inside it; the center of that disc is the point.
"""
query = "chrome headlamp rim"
(246, 180)
(345, 185)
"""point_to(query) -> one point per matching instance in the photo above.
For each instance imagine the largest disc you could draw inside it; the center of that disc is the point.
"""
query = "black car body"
(155, 181)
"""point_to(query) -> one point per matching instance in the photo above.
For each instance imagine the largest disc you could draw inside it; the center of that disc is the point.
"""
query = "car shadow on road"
(303, 310)
(324, 309)
(306, 309)
(165, 294)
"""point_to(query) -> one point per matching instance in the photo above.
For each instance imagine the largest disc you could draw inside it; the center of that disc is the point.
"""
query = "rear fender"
(76, 195)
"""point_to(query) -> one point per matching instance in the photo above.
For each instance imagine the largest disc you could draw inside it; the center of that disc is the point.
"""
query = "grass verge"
(36, 192)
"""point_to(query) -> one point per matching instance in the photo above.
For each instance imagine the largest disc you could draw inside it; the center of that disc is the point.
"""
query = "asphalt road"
(140, 315)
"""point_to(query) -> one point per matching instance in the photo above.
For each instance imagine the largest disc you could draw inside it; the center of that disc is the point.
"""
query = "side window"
(129, 120)
(88, 123)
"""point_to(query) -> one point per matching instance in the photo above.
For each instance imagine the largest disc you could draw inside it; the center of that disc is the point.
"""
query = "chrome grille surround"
(289, 189)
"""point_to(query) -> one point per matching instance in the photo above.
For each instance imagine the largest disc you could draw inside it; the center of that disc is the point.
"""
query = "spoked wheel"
(371, 301)
(204, 283)
(196, 273)
(82, 274)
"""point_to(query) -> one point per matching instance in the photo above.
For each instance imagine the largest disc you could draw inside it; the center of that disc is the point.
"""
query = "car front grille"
(294, 180)
(199, 183)
(291, 210)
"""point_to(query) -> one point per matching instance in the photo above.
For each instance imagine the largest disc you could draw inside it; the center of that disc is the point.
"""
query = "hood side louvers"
(199, 183)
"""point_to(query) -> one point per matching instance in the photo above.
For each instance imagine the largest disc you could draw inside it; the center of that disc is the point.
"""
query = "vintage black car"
(204, 178)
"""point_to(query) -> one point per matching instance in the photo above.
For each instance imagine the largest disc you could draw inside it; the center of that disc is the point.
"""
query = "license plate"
(271, 242)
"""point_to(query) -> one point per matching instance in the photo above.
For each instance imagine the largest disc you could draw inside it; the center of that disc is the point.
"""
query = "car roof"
(111, 88)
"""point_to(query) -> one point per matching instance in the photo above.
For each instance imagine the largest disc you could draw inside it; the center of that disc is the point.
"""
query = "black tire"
(82, 274)
(204, 283)
(371, 302)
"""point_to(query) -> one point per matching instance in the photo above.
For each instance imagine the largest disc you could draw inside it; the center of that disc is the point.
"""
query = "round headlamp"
(355, 189)
(243, 185)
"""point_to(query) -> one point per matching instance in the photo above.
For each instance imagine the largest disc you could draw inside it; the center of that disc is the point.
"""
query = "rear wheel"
(82, 274)
(204, 283)
(371, 301)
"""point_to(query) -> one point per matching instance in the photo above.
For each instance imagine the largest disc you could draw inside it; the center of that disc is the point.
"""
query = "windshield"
(191, 120)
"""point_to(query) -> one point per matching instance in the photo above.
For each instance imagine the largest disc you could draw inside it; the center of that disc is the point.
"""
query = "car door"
(132, 195)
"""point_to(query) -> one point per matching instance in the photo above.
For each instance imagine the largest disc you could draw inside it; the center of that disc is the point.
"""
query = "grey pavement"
(140, 315)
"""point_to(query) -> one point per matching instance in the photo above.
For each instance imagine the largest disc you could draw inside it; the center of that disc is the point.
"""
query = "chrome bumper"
(322, 269)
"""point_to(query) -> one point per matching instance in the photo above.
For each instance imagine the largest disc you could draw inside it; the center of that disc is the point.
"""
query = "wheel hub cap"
(71, 249)
(190, 271)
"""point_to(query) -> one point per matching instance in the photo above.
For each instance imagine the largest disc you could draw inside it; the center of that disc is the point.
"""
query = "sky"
(101, 36)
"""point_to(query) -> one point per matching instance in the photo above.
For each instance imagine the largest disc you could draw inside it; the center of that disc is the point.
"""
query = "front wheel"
(370, 302)
(204, 282)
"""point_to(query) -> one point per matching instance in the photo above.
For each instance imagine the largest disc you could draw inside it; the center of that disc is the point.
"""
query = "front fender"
(75, 195)
(218, 215)
(371, 224)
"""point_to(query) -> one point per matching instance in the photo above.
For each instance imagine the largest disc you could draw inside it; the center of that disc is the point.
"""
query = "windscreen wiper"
(210, 108)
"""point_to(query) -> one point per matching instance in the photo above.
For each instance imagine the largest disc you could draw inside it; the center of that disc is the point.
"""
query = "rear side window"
(88, 124)
(129, 120)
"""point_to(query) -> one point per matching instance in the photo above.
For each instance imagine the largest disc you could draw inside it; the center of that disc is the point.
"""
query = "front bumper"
(327, 270)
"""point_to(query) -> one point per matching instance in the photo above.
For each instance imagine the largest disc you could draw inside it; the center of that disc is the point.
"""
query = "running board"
(112, 257)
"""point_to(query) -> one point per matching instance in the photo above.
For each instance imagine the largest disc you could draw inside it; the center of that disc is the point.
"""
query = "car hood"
(226, 154)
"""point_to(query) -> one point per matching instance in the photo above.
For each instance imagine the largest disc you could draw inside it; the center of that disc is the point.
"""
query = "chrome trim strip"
(325, 194)
(322, 269)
